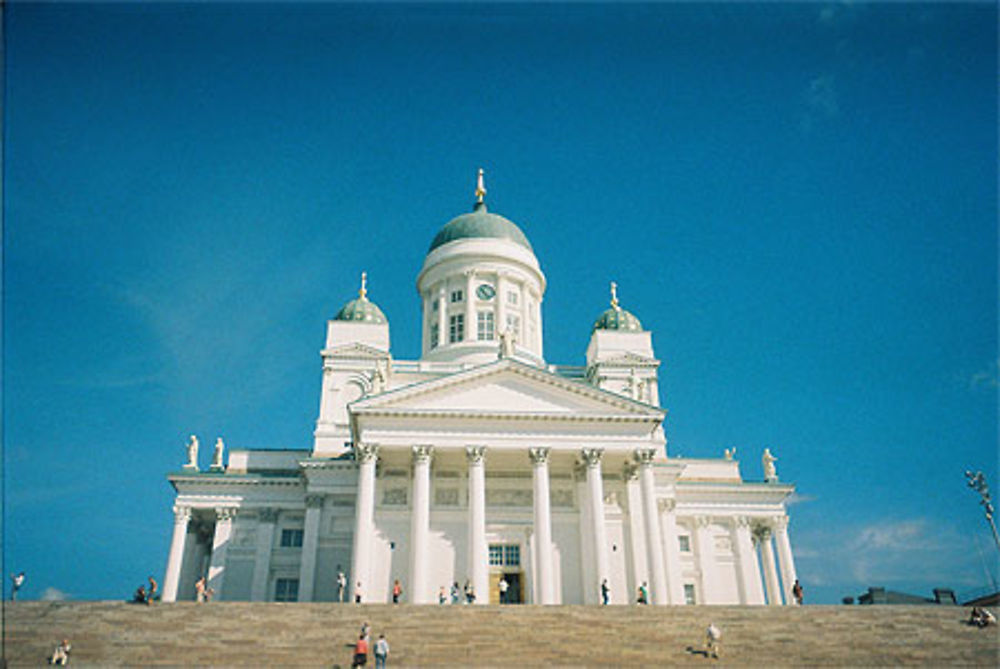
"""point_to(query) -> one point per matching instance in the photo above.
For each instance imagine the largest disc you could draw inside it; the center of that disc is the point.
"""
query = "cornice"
(645, 411)
(546, 416)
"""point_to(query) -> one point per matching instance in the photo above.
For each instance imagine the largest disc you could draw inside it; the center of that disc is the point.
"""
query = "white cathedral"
(479, 462)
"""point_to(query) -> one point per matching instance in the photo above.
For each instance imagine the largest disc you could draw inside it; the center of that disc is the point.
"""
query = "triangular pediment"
(506, 387)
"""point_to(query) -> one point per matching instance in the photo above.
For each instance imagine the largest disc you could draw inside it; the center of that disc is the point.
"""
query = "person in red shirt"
(397, 590)
(360, 652)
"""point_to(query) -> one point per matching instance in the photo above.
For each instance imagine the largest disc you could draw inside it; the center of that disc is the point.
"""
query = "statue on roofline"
(768, 460)
(192, 453)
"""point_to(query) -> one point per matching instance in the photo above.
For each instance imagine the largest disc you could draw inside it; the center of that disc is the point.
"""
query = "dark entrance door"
(515, 591)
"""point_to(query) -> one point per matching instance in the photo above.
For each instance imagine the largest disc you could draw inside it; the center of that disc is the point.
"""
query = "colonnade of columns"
(751, 536)
(478, 559)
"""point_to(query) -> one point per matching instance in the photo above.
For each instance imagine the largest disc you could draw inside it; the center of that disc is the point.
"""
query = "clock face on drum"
(485, 291)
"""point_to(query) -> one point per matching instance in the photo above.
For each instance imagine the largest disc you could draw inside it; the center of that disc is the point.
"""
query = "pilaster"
(266, 519)
(182, 516)
(310, 542)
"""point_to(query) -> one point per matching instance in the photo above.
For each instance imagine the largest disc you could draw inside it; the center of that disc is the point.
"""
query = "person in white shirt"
(502, 586)
(341, 584)
(60, 655)
(381, 652)
(713, 636)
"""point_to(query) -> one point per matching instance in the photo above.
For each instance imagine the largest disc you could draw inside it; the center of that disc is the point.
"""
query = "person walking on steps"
(381, 652)
(605, 592)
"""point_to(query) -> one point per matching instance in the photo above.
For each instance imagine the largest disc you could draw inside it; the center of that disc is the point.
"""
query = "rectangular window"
(434, 306)
(456, 328)
(514, 324)
(689, 593)
(505, 555)
(685, 542)
(484, 330)
(286, 590)
(456, 296)
(291, 539)
(434, 335)
(511, 297)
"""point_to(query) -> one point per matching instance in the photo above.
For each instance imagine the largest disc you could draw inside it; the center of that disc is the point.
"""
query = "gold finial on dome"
(480, 187)
(363, 293)
(614, 295)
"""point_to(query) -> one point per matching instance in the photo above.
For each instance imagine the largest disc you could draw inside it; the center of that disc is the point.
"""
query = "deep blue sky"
(800, 201)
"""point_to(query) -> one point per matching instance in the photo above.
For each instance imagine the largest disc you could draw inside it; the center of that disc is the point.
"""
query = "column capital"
(314, 501)
(364, 453)
(422, 454)
(644, 456)
(182, 513)
(667, 505)
(702, 521)
(267, 514)
(475, 454)
(539, 456)
(469, 273)
(761, 532)
(742, 522)
(780, 523)
(592, 456)
(630, 472)
(225, 513)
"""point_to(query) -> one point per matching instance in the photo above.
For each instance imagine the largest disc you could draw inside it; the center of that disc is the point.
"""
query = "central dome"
(479, 224)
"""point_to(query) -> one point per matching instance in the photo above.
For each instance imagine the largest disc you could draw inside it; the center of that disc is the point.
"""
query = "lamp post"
(978, 483)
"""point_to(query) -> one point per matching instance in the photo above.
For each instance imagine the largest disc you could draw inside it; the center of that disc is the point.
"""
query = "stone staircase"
(315, 635)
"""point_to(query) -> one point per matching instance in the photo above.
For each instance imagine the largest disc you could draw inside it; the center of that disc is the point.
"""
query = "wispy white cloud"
(986, 378)
(796, 498)
(899, 551)
(51, 594)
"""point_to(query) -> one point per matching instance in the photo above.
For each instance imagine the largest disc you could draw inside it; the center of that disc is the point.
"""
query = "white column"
(595, 489)
(364, 521)
(420, 518)
(479, 568)
(266, 519)
(471, 321)
(443, 315)
(591, 595)
(785, 559)
(705, 550)
(220, 544)
(748, 570)
(660, 593)
(543, 525)
(310, 542)
(770, 572)
(501, 303)
(182, 515)
(672, 550)
(638, 550)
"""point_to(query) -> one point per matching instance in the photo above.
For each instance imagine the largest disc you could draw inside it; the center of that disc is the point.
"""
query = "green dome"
(479, 224)
(617, 318)
(361, 309)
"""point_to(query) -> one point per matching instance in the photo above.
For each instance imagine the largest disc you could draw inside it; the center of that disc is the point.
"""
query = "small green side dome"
(361, 309)
(617, 318)
(479, 224)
